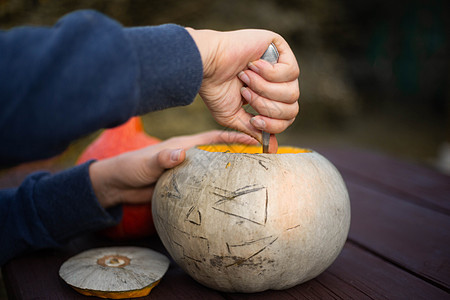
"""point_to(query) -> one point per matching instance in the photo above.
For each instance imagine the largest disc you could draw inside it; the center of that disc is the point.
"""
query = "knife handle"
(271, 55)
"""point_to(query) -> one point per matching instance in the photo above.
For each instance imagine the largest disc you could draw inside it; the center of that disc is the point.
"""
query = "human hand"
(130, 177)
(230, 60)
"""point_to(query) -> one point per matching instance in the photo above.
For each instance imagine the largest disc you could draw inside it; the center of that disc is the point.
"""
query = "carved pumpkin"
(237, 220)
(137, 219)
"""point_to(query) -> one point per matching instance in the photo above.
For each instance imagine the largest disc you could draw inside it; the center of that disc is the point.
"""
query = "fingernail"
(258, 123)
(242, 76)
(246, 94)
(175, 155)
(253, 67)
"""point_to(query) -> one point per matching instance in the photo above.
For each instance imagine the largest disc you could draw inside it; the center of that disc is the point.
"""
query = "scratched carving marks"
(183, 240)
(261, 244)
(247, 203)
(194, 216)
(265, 222)
(251, 247)
(246, 254)
(172, 191)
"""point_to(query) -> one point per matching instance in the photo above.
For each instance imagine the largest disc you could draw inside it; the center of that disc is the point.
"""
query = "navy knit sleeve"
(59, 83)
(85, 73)
(47, 210)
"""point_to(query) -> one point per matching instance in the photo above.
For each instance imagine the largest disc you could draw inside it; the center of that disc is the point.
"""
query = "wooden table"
(398, 246)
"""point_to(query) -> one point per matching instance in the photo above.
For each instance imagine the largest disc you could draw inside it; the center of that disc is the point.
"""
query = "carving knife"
(271, 55)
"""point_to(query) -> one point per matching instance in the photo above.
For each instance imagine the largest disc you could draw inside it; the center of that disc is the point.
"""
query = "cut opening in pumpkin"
(248, 149)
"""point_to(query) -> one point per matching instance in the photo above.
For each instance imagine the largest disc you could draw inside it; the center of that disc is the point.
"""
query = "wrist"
(207, 44)
(103, 189)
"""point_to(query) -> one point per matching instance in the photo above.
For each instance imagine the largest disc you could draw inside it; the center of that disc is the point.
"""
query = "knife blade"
(271, 55)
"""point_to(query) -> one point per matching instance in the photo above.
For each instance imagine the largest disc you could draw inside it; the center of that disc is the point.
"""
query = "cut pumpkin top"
(249, 149)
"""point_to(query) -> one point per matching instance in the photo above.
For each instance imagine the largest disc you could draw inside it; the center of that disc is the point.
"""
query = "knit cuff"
(67, 205)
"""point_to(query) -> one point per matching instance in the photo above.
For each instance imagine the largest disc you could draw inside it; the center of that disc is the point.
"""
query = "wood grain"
(397, 246)
(404, 233)
(411, 182)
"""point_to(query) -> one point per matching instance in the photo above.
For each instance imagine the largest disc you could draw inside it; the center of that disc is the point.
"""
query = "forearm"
(47, 210)
(86, 73)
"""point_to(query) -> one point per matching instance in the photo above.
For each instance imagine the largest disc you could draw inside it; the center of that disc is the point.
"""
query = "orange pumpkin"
(137, 220)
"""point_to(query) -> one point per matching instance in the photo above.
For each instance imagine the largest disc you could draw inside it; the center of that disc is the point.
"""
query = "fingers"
(269, 108)
(209, 137)
(275, 126)
(285, 92)
(275, 102)
(286, 69)
(227, 137)
(137, 195)
(275, 73)
(242, 121)
(273, 91)
(149, 163)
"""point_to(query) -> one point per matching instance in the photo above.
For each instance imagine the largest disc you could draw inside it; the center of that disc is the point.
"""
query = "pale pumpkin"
(248, 222)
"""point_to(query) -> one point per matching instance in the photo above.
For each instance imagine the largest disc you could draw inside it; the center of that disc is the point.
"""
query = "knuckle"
(291, 114)
(294, 114)
(289, 122)
(297, 109)
(294, 91)
(293, 95)
(291, 92)
(296, 71)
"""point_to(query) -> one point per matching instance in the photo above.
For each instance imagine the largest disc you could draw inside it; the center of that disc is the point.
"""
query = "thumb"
(165, 159)
(169, 158)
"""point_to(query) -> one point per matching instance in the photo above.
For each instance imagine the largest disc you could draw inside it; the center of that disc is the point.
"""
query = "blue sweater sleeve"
(47, 210)
(85, 73)
(58, 83)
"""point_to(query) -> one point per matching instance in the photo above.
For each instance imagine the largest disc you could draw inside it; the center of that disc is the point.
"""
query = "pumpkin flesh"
(118, 295)
(249, 149)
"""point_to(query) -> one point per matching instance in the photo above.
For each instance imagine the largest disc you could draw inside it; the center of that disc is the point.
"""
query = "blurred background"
(374, 74)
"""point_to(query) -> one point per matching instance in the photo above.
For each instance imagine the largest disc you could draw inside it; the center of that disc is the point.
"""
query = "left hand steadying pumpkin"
(130, 177)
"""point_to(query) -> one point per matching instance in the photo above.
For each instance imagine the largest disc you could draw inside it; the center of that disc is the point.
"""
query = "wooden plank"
(400, 248)
(356, 274)
(334, 288)
(404, 233)
(35, 276)
(176, 284)
(378, 279)
(411, 182)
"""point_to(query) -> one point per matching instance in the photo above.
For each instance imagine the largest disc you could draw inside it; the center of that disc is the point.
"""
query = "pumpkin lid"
(115, 272)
